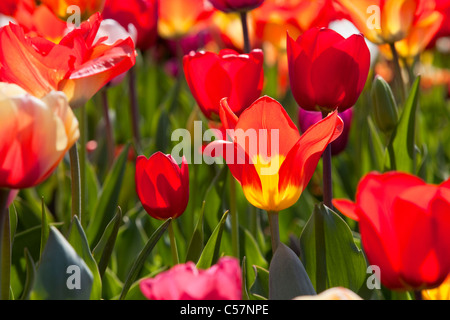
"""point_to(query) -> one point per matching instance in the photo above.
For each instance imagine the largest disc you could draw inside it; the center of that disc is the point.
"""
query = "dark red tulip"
(142, 14)
(212, 76)
(235, 5)
(327, 71)
(162, 186)
(307, 118)
(404, 225)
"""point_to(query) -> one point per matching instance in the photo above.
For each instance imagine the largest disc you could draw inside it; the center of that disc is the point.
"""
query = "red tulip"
(235, 5)
(223, 281)
(79, 65)
(142, 14)
(162, 186)
(271, 161)
(404, 225)
(326, 70)
(307, 118)
(211, 77)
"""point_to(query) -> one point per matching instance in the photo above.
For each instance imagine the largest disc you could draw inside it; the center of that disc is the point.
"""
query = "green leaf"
(402, 148)
(287, 276)
(61, 274)
(45, 229)
(78, 240)
(108, 199)
(211, 251)
(5, 254)
(31, 275)
(103, 250)
(196, 243)
(140, 260)
(329, 252)
(260, 287)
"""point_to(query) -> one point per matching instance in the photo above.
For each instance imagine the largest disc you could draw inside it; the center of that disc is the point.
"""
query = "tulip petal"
(347, 208)
(301, 162)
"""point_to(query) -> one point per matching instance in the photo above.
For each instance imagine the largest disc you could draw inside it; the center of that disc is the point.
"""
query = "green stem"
(108, 128)
(173, 244)
(398, 73)
(82, 159)
(274, 230)
(327, 175)
(234, 218)
(5, 246)
(75, 181)
(247, 46)
(134, 108)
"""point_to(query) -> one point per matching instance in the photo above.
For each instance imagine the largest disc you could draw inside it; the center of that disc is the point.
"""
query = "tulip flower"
(212, 77)
(178, 18)
(327, 71)
(162, 187)
(382, 21)
(86, 7)
(236, 5)
(78, 65)
(223, 281)
(275, 17)
(440, 293)
(404, 225)
(35, 134)
(142, 14)
(307, 118)
(277, 163)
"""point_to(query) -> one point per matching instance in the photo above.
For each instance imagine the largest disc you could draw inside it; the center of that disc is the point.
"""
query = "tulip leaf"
(45, 229)
(62, 274)
(103, 250)
(78, 240)
(107, 203)
(196, 243)
(260, 287)
(402, 148)
(329, 252)
(140, 260)
(31, 274)
(210, 253)
(287, 276)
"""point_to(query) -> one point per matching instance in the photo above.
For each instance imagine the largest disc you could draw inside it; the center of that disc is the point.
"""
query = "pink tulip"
(185, 282)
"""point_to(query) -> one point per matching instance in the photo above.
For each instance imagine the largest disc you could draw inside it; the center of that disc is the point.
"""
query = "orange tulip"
(382, 21)
(275, 17)
(79, 65)
(267, 155)
(178, 18)
(427, 22)
(87, 7)
(35, 134)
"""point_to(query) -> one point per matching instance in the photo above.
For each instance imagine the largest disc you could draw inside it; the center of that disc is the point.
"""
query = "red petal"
(347, 208)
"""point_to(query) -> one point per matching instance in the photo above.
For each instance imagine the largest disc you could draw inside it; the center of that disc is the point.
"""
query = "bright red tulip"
(267, 155)
(307, 118)
(142, 14)
(404, 225)
(211, 77)
(35, 134)
(79, 65)
(326, 70)
(162, 186)
(235, 5)
(223, 281)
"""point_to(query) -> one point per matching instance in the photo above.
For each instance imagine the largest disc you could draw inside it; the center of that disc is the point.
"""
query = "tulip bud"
(384, 105)
(162, 186)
